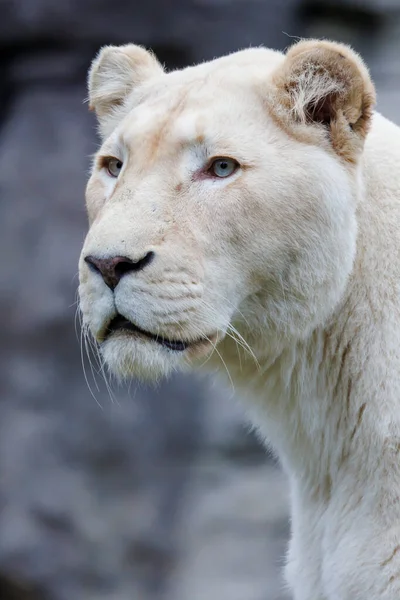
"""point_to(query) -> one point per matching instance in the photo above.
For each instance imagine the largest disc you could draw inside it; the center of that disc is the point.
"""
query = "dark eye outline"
(105, 162)
(216, 159)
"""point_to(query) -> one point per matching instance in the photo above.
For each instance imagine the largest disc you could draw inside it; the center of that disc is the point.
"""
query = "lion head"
(222, 198)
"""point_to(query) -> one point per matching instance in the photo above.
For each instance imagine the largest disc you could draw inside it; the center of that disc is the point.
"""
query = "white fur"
(300, 252)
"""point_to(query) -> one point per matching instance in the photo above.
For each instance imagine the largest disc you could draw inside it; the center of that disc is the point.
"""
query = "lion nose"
(113, 269)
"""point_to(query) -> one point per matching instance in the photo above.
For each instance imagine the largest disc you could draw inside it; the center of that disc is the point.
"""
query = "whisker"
(238, 345)
(214, 345)
(224, 363)
(101, 366)
(236, 309)
(75, 276)
(232, 332)
(84, 371)
(88, 342)
(245, 345)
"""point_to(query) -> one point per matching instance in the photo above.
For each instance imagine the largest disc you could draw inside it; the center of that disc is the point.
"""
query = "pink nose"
(113, 269)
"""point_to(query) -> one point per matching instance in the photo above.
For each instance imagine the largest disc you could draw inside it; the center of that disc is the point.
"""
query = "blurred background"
(151, 494)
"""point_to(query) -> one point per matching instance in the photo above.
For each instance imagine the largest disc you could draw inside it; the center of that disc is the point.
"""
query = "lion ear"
(325, 84)
(114, 73)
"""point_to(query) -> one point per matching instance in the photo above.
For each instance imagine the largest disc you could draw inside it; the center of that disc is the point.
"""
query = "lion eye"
(114, 166)
(223, 167)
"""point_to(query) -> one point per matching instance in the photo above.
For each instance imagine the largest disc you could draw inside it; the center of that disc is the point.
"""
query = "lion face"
(216, 200)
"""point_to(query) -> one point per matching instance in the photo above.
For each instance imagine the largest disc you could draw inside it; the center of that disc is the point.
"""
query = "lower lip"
(125, 326)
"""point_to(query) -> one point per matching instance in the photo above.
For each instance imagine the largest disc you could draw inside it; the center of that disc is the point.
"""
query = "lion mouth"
(120, 323)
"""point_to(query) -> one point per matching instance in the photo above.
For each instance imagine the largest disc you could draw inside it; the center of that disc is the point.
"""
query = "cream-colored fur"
(296, 255)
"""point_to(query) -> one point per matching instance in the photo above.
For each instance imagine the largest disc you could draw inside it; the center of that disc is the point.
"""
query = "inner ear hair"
(325, 83)
(321, 110)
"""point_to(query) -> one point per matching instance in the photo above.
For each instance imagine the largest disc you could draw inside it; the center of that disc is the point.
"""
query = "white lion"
(251, 206)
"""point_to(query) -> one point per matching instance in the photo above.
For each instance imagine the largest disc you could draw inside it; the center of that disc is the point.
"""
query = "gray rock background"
(147, 494)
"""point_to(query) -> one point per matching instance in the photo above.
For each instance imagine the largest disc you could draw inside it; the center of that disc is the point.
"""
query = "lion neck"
(310, 402)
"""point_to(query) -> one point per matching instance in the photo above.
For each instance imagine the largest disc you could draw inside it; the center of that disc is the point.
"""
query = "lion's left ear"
(327, 86)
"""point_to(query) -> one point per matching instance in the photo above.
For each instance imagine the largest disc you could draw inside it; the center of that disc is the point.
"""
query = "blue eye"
(223, 167)
(114, 166)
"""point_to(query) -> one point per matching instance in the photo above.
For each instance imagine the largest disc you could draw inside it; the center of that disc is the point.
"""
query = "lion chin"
(129, 356)
(127, 359)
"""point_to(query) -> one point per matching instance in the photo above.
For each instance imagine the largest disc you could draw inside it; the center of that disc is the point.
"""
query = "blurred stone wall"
(145, 494)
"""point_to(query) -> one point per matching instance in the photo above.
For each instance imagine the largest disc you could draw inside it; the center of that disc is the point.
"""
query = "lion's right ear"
(114, 73)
